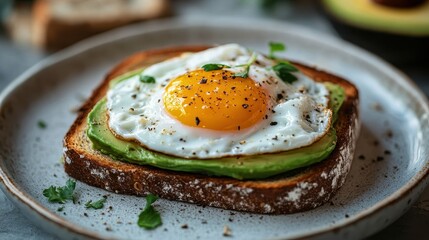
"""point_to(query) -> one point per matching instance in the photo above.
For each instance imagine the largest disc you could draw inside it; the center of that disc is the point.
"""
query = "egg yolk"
(215, 100)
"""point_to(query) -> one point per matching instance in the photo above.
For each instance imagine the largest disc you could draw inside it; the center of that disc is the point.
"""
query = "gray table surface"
(16, 59)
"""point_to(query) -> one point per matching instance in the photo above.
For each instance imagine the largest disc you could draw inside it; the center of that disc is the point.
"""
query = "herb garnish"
(275, 47)
(245, 73)
(61, 194)
(214, 66)
(97, 204)
(284, 71)
(149, 218)
(147, 79)
(41, 124)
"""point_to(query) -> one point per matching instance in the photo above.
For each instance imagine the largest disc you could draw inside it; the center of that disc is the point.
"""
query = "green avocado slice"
(245, 167)
(367, 14)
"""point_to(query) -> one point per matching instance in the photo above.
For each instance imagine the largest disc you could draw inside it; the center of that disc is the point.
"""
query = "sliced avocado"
(397, 34)
(246, 167)
(337, 97)
(369, 14)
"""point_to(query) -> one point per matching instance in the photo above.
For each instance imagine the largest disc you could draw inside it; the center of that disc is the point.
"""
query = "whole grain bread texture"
(307, 189)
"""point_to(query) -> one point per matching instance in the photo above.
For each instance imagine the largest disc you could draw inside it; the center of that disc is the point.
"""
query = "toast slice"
(58, 24)
(305, 189)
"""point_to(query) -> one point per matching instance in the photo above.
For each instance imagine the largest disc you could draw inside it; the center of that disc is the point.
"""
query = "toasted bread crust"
(311, 187)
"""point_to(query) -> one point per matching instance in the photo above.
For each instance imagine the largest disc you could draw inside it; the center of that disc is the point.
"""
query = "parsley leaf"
(61, 194)
(67, 191)
(275, 47)
(245, 73)
(149, 218)
(286, 66)
(41, 124)
(147, 79)
(214, 66)
(95, 205)
(284, 71)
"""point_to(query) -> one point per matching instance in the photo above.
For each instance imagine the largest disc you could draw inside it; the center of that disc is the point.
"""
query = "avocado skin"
(245, 167)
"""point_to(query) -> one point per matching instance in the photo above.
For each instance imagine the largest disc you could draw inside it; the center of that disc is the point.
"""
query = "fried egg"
(192, 113)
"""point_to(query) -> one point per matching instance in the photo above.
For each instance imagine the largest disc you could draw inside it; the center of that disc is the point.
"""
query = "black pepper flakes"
(245, 106)
(203, 81)
(389, 133)
(197, 121)
(273, 123)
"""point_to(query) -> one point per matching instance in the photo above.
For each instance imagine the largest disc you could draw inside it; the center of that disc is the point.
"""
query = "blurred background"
(395, 30)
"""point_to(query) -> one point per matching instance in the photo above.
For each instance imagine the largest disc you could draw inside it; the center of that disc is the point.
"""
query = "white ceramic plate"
(394, 138)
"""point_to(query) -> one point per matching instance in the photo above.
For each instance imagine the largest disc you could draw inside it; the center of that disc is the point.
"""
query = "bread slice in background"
(59, 23)
(306, 189)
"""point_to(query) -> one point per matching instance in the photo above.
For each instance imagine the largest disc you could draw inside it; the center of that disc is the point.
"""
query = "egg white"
(136, 110)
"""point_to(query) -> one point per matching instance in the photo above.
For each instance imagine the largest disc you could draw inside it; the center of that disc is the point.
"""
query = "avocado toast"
(265, 191)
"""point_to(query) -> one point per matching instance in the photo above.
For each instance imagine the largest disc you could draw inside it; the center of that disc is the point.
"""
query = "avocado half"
(397, 32)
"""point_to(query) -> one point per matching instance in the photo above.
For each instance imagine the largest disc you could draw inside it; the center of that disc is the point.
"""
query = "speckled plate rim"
(13, 191)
